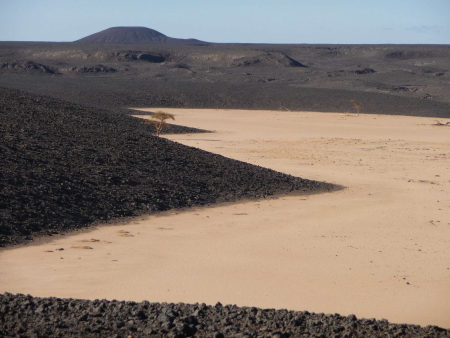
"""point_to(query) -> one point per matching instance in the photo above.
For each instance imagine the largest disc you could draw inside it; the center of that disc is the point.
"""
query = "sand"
(378, 249)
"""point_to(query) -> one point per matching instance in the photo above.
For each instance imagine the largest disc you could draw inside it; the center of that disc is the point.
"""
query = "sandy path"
(380, 248)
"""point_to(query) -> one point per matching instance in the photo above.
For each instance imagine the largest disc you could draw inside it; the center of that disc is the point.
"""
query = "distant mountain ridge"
(136, 35)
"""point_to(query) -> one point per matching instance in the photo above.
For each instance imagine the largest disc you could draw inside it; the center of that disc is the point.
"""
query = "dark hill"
(136, 35)
(64, 166)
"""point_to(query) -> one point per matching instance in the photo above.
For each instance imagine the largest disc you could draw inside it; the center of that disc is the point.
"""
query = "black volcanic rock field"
(65, 166)
(386, 79)
(25, 316)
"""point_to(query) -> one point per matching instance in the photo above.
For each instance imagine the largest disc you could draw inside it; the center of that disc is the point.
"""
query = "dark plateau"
(386, 79)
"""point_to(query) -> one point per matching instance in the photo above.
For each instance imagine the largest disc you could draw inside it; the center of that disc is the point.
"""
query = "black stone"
(216, 321)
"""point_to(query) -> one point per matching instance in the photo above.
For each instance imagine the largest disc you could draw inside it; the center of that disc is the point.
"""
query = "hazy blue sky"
(269, 21)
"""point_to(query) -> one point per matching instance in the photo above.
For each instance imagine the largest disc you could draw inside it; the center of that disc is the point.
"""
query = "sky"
(242, 21)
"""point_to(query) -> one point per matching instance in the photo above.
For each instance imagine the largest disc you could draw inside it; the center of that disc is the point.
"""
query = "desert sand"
(379, 248)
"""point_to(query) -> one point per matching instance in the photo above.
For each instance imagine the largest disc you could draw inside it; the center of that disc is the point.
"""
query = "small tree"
(159, 119)
(283, 108)
(357, 105)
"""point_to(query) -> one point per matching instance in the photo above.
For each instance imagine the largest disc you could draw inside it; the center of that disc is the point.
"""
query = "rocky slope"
(66, 166)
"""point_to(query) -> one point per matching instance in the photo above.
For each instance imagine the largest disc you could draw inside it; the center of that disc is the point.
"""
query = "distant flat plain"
(379, 248)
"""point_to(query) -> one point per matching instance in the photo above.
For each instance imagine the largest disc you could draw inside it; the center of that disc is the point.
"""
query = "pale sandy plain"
(380, 248)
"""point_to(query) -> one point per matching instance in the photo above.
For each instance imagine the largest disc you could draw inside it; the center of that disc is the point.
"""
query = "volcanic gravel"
(27, 316)
(409, 80)
(65, 166)
(142, 91)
